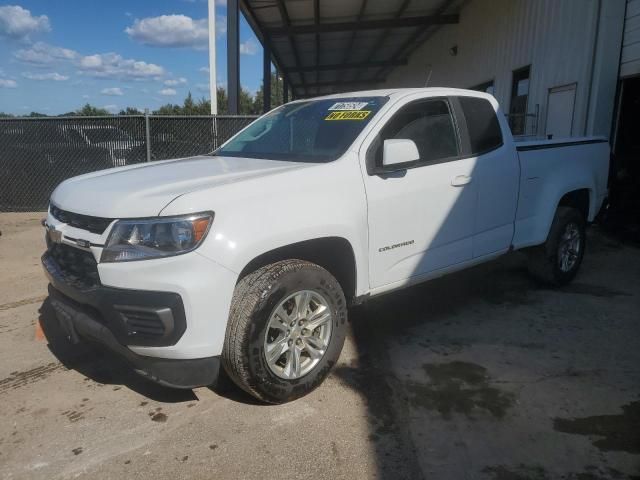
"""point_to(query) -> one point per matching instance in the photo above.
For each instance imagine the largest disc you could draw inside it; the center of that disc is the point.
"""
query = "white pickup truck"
(249, 257)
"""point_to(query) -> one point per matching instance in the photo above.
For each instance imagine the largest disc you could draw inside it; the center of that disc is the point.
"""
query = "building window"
(519, 100)
(486, 87)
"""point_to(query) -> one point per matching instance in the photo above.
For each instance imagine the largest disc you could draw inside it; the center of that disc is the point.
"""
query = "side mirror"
(399, 152)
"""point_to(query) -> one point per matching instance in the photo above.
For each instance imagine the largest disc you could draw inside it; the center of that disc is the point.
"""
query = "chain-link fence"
(36, 154)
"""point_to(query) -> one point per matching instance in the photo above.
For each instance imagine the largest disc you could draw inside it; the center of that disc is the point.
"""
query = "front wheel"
(286, 329)
(557, 261)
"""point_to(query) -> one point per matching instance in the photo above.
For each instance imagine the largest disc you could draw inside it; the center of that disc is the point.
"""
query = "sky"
(57, 55)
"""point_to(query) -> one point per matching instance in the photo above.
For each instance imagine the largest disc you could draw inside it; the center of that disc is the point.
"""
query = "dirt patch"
(533, 472)
(20, 379)
(522, 472)
(617, 432)
(460, 387)
(20, 303)
(593, 290)
(159, 417)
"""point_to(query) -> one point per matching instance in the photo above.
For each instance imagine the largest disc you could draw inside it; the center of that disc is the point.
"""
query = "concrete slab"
(483, 374)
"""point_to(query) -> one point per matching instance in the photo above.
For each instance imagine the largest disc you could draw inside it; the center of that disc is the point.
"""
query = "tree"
(221, 95)
(188, 106)
(203, 106)
(246, 102)
(91, 111)
(277, 94)
(5, 115)
(130, 111)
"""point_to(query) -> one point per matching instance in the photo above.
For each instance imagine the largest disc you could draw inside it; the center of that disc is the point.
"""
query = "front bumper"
(78, 323)
(117, 317)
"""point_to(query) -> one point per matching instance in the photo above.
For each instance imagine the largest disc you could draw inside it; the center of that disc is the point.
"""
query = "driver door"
(421, 218)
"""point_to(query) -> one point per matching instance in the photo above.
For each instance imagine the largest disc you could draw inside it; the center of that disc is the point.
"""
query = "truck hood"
(143, 190)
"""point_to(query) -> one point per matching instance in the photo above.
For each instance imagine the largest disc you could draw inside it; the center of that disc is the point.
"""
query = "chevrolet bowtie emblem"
(54, 235)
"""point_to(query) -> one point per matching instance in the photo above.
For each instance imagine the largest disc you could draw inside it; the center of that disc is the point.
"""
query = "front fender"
(257, 216)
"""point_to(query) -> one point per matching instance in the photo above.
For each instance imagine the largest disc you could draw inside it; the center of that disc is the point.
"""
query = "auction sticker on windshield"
(348, 106)
(348, 115)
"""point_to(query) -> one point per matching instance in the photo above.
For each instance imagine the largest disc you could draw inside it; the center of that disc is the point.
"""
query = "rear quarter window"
(482, 125)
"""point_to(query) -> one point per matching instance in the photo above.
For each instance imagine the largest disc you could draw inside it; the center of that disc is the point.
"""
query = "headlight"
(155, 237)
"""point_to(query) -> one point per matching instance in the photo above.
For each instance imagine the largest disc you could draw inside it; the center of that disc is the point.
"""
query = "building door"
(519, 101)
(625, 169)
(560, 108)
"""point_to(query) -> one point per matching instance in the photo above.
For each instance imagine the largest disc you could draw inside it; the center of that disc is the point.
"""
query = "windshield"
(315, 131)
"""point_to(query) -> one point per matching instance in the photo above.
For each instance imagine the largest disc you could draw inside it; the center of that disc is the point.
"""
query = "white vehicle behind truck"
(250, 257)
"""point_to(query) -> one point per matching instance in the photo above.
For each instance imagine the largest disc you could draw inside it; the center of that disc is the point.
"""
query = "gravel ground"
(480, 375)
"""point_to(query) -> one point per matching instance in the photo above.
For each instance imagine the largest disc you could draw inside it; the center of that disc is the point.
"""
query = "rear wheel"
(557, 261)
(286, 330)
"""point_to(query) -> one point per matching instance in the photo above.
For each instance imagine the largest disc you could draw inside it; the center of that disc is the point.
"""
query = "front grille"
(78, 267)
(85, 222)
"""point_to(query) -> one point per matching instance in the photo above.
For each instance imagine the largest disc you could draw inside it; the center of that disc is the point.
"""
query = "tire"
(271, 296)
(546, 261)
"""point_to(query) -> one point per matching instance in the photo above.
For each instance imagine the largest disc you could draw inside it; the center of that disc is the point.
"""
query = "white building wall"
(630, 64)
(494, 37)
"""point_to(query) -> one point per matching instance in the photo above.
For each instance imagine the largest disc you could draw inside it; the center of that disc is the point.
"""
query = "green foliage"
(276, 95)
(89, 111)
(130, 111)
(203, 106)
(249, 105)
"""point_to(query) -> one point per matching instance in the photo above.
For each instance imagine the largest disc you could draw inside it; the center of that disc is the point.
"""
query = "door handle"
(461, 180)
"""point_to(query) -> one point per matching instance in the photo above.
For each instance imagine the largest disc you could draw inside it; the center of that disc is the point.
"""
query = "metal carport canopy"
(326, 46)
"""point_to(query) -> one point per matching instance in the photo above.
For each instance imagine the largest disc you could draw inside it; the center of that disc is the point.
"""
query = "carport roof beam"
(347, 66)
(403, 22)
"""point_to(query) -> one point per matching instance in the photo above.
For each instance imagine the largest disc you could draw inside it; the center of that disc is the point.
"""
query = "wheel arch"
(335, 254)
(580, 199)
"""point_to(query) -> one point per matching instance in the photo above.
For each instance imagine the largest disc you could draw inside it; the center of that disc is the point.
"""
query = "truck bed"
(548, 168)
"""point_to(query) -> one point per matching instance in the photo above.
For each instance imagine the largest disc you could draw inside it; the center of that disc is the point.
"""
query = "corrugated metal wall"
(495, 37)
(630, 64)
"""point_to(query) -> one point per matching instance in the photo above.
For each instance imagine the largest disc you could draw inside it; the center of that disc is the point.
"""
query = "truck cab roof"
(396, 93)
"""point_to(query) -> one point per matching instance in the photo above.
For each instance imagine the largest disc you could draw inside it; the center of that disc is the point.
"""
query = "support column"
(266, 79)
(212, 58)
(233, 57)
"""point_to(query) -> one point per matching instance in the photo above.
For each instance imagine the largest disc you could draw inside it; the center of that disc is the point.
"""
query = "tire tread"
(246, 296)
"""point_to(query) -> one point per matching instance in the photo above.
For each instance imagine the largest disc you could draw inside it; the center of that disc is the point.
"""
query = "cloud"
(113, 91)
(17, 22)
(221, 25)
(112, 65)
(100, 65)
(167, 92)
(248, 47)
(204, 69)
(41, 53)
(85, 96)
(174, 82)
(7, 83)
(55, 76)
(111, 108)
(170, 31)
